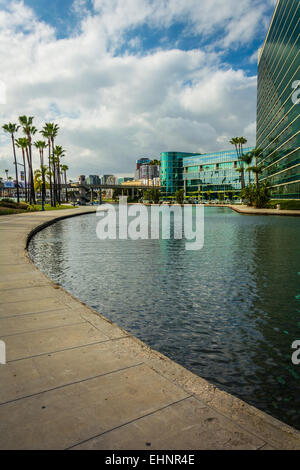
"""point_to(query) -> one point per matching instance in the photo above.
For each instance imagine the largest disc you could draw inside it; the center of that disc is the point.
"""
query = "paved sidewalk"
(75, 380)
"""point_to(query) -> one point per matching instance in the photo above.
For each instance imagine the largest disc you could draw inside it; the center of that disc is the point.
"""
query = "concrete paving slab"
(29, 281)
(27, 293)
(51, 340)
(39, 374)
(38, 322)
(24, 307)
(11, 270)
(64, 417)
(20, 275)
(188, 425)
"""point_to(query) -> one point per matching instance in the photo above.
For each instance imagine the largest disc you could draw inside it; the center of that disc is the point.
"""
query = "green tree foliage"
(256, 195)
(179, 196)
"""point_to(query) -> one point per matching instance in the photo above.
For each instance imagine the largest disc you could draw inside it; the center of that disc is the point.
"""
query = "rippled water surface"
(228, 312)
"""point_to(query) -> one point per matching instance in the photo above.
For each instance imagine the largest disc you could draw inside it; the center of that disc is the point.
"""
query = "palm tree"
(247, 158)
(12, 129)
(22, 143)
(41, 145)
(59, 153)
(256, 169)
(64, 169)
(238, 142)
(29, 130)
(6, 172)
(50, 131)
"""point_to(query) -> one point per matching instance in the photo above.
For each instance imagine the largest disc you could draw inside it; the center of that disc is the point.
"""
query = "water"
(228, 312)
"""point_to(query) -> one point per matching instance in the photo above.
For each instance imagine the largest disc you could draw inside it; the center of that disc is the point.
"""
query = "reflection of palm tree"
(12, 129)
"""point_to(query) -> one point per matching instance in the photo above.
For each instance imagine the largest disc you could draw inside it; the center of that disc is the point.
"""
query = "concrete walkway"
(74, 380)
(243, 209)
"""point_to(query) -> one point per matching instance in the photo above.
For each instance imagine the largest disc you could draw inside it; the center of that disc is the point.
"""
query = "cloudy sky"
(131, 78)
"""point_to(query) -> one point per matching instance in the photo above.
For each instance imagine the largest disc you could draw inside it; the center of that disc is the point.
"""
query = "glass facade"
(215, 172)
(278, 102)
(171, 172)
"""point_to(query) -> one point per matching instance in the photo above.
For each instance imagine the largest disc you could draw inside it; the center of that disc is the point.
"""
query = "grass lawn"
(48, 207)
(10, 207)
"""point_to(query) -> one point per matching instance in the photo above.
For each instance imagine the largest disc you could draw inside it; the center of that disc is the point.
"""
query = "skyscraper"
(278, 102)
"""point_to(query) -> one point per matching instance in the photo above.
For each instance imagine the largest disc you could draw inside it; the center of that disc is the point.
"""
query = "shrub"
(179, 196)
(13, 205)
(256, 195)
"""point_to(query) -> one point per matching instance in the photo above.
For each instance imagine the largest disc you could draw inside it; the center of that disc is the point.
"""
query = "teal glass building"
(216, 172)
(278, 102)
(171, 172)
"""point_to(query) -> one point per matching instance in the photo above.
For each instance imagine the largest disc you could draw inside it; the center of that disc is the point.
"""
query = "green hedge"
(292, 204)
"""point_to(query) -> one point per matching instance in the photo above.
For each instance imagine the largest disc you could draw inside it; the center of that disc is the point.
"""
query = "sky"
(126, 79)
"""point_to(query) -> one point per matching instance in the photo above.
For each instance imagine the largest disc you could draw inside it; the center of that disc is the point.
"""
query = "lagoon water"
(228, 312)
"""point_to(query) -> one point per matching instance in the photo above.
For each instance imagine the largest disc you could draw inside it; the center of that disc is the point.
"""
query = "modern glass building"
(215, 172)
(278, 102)
(171, 172)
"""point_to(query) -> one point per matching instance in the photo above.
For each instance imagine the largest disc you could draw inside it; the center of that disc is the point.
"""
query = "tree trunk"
(25, 178)
(50, 176)
(16, 165)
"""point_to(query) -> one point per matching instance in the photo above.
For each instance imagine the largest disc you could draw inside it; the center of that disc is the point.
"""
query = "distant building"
(81, 179)
(216, 172)
(109, 179)
(125, 179)
(142, 161)
(93, 179)
(172, 171)
(146, 170)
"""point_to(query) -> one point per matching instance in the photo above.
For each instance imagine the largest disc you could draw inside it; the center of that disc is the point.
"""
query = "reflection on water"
(228, 312)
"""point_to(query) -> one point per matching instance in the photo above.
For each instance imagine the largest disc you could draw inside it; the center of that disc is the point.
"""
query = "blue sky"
(132, 78)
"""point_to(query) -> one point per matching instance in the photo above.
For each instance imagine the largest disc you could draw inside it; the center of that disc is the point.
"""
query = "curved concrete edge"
(247, 210)
(277, 434)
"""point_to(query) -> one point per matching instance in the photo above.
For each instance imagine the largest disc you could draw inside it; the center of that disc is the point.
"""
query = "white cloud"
(114, 108)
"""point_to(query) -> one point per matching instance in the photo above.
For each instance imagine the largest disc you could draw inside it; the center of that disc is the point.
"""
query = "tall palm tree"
(41, 145)
(64, 169)
(6, 172)
(238, 142)
(12, 129)
(22, 143)
(256, 169)
(50, 131)
(59, 153)
(247, 159)
(29, 130)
